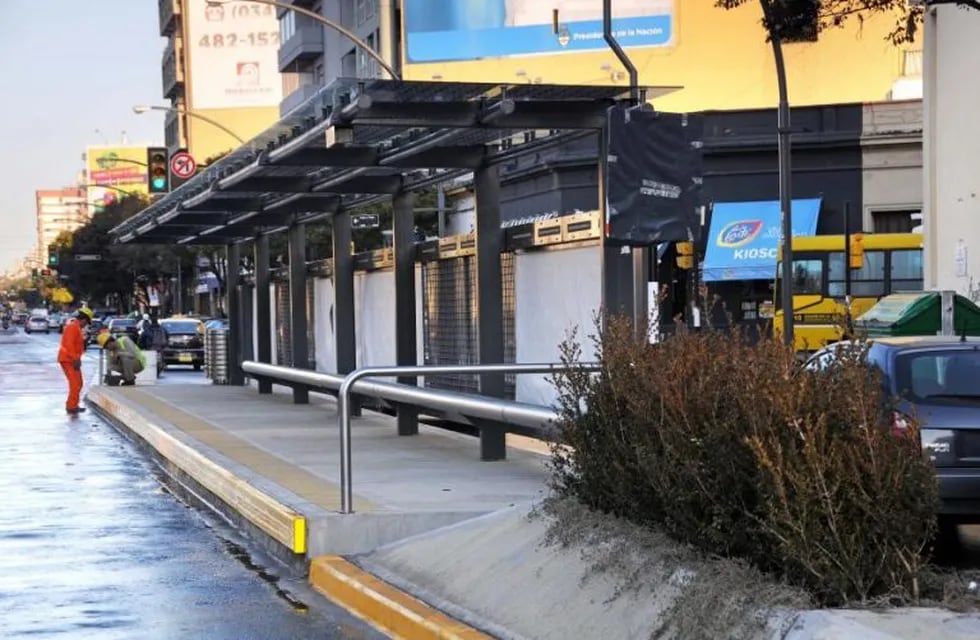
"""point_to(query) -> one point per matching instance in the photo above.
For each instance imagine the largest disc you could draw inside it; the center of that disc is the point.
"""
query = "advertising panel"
(654, 176)
(450, 30)
(114, 172)
(233, 52)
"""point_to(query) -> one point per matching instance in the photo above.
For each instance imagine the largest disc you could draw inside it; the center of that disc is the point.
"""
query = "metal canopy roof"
(359, 141)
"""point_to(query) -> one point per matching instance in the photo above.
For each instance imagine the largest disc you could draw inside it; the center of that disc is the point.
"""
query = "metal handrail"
(477, 403)
(465, 404)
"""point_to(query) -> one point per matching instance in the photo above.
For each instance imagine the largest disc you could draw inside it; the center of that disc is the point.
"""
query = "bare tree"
(794, 20)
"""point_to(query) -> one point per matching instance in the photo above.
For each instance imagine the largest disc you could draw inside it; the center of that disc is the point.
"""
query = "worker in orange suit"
(70, 357)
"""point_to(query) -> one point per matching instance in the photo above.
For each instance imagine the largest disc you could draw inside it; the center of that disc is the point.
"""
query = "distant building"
(220, 62)
(58, 210)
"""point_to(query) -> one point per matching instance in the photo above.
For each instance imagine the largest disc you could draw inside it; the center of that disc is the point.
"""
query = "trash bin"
(216, 355)
(149, 373)
(921, 313)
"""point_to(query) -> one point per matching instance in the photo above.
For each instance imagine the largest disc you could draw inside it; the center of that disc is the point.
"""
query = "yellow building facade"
(718, 59)
(220, 64)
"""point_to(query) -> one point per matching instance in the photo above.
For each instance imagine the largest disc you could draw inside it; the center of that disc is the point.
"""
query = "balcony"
(306, 43)
(298, 97)
(169, 10)
(173, 68)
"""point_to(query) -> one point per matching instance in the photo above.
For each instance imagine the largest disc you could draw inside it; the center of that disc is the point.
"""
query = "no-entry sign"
(182, 165)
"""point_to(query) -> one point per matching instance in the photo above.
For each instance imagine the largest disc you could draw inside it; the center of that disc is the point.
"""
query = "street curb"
(277, 520)
(393, 612)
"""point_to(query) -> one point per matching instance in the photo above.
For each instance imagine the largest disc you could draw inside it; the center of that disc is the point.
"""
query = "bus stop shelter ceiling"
(357, 142)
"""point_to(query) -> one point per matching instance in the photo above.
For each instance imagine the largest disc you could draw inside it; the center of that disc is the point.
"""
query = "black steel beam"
(263, 314)
(419, 114)
(343, 288)
(449, 157)
(336, 156)
(233, 308)
(389, 184)
(275, 184)
(303, 203)
(194, 218)
(556, 114)
(490, 301)
(299, 343)
(406, 353)
(226, 205)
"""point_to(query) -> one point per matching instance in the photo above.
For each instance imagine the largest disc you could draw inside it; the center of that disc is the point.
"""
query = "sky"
(70, 73)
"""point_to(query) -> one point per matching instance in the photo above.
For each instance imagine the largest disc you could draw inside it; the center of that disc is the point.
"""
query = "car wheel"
(197, 367)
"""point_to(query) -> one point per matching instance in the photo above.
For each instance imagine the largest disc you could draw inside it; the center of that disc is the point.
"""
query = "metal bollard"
(101, 367)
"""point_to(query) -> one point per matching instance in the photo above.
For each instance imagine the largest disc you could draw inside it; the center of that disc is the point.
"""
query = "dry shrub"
(736, 449)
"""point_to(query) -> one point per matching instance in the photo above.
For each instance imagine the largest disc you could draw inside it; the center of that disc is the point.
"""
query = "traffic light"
(34, 273)
(685, 255)
(157, 169)
(52, 256)
(855, 251)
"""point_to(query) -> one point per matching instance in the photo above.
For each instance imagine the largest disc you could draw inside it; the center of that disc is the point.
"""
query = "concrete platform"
(277, 464)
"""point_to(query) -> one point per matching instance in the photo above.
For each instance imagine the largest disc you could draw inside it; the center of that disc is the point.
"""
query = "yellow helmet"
(103, 338)
(88, 313)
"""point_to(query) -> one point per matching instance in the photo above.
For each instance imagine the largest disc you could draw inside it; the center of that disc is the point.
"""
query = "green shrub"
(732, 447)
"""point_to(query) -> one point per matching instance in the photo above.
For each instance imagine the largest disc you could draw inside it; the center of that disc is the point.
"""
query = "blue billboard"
(454, 30)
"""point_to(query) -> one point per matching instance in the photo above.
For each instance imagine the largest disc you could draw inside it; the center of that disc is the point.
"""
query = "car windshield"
(123, 322)
(181, 326)
(939, 376)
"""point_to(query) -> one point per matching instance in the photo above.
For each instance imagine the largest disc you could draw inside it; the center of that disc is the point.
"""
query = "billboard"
(233, 53)
(113, 172)
(452, 30)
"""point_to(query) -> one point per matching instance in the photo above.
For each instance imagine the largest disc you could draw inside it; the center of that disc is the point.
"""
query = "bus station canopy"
(357, 142)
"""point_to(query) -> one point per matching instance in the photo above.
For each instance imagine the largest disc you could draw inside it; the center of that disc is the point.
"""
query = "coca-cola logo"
(739, 233)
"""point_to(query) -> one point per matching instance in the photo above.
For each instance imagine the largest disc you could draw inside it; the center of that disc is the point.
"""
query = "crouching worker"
(123, 359)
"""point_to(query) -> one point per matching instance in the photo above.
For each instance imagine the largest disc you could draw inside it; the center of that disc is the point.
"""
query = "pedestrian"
(124, 359)
(70, 357)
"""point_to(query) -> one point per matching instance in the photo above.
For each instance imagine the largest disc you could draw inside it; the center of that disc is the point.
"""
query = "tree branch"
(966, 4)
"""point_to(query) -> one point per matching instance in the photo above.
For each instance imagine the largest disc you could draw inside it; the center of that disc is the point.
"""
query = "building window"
(896, 221)
(912, 63)
(287, 26)
(364, 10)
(318, 74)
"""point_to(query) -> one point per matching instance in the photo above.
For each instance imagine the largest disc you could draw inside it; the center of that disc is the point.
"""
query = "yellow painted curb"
(279, 521)
(391, 611)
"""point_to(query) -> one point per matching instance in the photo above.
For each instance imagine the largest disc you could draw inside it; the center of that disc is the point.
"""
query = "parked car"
(55, 321)
(185, 342)
(937, 379)
(21, 318)
(123, 326)
(37, 324)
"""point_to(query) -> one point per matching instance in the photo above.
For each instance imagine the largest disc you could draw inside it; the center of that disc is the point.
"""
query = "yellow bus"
(892, 262)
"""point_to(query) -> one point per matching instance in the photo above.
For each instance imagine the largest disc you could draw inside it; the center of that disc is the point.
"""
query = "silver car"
(37, 324)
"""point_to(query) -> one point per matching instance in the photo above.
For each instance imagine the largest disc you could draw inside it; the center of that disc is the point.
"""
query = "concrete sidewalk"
(273, 468)
(436, 531)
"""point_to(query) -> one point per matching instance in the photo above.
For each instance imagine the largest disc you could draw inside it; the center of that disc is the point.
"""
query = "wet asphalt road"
(92, 545)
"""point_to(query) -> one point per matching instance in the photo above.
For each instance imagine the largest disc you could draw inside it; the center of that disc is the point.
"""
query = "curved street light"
(143, 108)
(327, 23)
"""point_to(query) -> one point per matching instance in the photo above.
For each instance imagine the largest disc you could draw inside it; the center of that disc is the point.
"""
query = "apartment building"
(58, 210)
(312, 54)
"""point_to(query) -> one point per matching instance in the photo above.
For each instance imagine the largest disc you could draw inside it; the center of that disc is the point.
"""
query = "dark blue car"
(938, 381)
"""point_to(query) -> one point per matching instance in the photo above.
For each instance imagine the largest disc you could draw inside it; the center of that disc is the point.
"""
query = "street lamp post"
(785, 172)
(143, 108)
(313, 15)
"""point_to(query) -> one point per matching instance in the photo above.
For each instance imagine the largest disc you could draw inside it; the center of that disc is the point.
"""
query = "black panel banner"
(654, 176)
